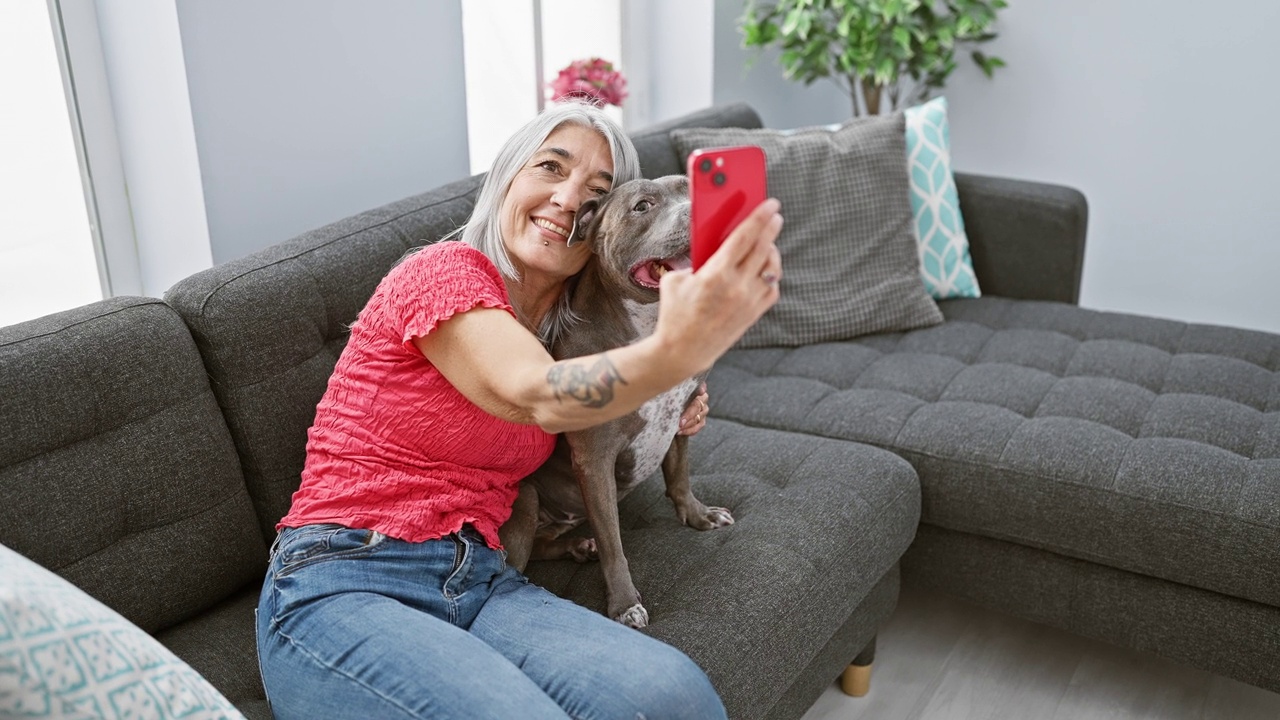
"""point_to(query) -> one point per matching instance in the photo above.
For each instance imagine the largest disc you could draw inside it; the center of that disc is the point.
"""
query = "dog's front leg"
(518, 531)
(593, 467)
(690, 510)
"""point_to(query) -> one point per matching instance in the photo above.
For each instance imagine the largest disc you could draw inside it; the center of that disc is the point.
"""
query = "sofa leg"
(856, 679)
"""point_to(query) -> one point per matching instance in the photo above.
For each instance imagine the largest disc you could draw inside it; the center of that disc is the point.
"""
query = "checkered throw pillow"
(850, 263)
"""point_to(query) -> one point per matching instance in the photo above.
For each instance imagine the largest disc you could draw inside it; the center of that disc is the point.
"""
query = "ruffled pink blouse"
(397, 449)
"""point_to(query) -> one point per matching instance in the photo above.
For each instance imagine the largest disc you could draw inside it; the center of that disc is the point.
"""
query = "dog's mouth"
(647, 273)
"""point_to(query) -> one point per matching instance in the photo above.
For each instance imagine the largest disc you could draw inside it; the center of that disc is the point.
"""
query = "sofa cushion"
(1148, 445)
(64, 654)
(220, 644)
(116, 469)
(716, 594)
(850, 258)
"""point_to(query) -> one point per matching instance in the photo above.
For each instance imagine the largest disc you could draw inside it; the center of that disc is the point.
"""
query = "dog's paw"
(718, 517)
(584, 550)
(634, 617)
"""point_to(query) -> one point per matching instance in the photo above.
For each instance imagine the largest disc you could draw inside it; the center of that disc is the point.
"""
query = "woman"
(388, 594)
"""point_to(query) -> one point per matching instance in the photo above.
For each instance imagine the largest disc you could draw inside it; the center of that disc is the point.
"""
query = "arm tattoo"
(591, 386)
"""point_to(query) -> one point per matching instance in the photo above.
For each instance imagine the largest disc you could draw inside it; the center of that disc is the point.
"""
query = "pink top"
(395, 447)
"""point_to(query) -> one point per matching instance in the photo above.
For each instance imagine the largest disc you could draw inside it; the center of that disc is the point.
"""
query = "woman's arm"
(501, 367)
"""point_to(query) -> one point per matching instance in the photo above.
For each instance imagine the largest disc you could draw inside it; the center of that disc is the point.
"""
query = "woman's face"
(572, 165)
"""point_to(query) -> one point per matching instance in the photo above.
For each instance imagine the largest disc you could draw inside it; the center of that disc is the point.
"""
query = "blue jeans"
(355, 624)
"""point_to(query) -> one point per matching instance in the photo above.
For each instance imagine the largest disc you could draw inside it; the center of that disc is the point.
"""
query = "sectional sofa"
(1116, 476)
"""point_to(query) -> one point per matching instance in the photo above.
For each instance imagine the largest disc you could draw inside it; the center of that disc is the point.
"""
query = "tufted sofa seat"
(1097, 440)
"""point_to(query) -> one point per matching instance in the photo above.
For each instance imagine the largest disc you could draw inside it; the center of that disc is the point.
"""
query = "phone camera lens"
(705, 165)
(717, 179)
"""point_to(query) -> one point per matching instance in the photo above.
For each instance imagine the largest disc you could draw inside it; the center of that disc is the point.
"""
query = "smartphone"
(725, 185)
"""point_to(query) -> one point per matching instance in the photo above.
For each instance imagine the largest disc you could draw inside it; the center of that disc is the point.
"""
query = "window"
(47, 257)
(512, 49)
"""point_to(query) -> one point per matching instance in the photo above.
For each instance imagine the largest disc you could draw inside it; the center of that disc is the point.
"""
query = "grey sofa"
(1113, 475)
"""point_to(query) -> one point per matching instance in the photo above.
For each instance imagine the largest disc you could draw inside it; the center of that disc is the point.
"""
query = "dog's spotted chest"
(661, 415)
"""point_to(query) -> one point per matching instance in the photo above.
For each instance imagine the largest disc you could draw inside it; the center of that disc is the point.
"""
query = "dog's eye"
(642, 206)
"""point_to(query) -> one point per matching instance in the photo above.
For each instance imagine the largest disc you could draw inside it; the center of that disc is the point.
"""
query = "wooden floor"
(942, 659)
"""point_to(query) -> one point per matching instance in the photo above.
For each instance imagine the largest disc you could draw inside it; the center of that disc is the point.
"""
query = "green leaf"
(793, 21)
(884, 73)
(902, 36)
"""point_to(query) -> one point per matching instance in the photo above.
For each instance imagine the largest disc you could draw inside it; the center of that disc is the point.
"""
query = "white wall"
(142, 54)
(307, 111)
(1162, 113)
(668, 51)
(755, 78)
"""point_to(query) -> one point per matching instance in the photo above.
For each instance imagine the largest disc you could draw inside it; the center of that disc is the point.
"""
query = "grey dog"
(638, 233)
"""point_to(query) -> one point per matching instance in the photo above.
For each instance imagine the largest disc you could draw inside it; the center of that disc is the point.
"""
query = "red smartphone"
(725, 185)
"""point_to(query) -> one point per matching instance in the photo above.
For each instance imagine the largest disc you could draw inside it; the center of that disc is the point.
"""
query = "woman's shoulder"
(454, 257)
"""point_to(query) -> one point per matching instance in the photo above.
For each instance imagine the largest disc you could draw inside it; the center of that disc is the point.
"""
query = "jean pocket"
(311, 544)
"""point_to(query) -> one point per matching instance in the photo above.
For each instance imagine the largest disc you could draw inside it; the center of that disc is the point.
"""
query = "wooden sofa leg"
(856, 679)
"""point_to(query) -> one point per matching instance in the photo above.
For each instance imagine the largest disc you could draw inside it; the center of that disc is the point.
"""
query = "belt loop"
(275, 547)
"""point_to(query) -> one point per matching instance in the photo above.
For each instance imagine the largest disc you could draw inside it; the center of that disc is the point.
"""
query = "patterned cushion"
(65, 655)
(945, 265)
(849, 254)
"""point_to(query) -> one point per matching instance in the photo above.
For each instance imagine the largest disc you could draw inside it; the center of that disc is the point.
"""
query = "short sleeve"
(434, 284)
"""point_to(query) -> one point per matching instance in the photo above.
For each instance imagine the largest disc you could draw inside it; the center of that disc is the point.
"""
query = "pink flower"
(593, 80)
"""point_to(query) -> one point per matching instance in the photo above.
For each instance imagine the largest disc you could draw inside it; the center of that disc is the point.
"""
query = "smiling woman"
(389, 566)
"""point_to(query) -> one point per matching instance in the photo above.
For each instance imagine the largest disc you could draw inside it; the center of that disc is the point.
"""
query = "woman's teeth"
(548, 225)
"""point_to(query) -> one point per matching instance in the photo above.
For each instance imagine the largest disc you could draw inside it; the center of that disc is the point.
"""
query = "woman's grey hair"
(483, 231)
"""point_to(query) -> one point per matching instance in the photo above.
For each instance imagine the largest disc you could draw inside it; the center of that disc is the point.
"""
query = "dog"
(638, 233)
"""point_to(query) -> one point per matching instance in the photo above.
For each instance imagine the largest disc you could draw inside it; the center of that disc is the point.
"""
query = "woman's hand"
(695, 413)
(701, 315)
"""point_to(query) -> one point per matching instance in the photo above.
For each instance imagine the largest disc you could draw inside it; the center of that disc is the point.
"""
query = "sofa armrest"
(1026, 238)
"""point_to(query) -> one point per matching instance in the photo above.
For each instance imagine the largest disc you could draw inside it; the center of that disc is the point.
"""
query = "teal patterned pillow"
(65, 655)
(945, 265)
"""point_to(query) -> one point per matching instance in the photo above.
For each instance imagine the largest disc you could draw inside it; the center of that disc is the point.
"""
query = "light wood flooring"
(943, 659)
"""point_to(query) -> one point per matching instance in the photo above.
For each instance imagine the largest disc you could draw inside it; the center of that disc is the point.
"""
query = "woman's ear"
(582, 219)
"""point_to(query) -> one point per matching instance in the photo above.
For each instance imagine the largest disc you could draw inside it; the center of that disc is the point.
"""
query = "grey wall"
(307, 111)
(1162, 113)
(780, 102)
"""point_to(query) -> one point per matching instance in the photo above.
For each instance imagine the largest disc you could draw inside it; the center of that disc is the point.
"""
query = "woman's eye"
(551, 165)
(642, 206)
(600, 192)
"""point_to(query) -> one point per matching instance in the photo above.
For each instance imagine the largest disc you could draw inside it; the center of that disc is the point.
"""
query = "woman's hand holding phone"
(702, 314)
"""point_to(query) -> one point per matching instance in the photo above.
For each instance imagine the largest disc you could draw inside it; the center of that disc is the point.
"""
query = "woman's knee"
(667, 684)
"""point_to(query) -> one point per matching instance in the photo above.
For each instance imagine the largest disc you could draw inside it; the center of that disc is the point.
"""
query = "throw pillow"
(945, 264)
(850, 264)
(65, 655)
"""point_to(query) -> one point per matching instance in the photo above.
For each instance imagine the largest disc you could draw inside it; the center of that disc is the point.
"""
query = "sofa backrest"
(270, 326)
(658, 155)
(116, 467)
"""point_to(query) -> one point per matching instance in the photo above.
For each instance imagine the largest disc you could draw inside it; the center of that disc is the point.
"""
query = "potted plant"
(893, 53)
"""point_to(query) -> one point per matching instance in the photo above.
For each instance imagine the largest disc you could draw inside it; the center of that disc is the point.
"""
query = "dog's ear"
(582, 220)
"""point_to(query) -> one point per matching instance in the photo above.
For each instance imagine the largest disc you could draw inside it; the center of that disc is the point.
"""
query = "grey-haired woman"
(388, 593)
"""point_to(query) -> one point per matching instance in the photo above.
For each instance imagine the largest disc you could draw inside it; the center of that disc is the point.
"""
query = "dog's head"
(638, 232)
